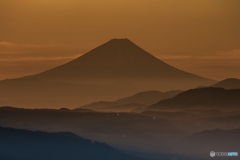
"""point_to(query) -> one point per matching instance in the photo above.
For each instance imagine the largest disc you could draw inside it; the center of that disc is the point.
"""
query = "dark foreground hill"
(202, 98)
(128, 132)
(202, 143)
(19, 144)
(151, 134)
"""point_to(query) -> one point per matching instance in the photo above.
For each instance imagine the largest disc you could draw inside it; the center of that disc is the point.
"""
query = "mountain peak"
(119, 39)
(122, 60)
(119, 44)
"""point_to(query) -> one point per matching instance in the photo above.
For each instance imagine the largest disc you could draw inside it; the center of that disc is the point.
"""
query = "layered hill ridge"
(230, 83)
(201, 98)
(133, 103)
(17, 144)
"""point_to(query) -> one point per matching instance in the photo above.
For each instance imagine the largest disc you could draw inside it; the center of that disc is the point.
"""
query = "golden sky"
(198, 36)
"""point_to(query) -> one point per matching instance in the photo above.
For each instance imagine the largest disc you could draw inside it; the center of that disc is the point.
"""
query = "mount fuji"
(116, 69)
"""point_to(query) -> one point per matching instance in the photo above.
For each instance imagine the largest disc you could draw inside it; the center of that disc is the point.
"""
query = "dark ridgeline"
(135, 103)
(148, 97)
(19, 144)
(151, 134)
(230, 83)
(134, 133)
(201, 98)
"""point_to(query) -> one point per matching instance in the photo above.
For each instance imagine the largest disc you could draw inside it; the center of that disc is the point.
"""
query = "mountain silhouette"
(148, 97)
(137, 101)
(230, 83)
(121, 60)
(37, 145)
(118, 68)
(128, 132)
(201, 98)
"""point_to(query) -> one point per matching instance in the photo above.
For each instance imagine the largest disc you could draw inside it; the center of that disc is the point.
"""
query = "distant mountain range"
(133, 103)
(140, 134)
(203, 98)
(17, 144)
(230, 83)
(129, 132)
(115, 69)
(148, 97)
(213, 97)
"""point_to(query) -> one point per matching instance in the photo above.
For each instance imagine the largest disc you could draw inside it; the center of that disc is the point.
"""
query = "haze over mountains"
(216, 96)
(152, 134)
(118, 68)
(137, 102)
(202, 143)
(77, 94)
(156, 132)
(124, 131)
(17, 144)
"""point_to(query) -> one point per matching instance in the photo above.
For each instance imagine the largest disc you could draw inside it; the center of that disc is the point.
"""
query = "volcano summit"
(116, 69)
(120, 60)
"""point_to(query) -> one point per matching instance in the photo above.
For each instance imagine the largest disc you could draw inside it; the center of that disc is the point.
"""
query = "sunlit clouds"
(178, 32)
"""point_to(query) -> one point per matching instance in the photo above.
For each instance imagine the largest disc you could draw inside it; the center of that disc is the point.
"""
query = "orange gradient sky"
(200, 36)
